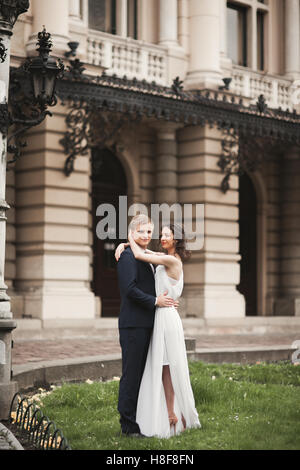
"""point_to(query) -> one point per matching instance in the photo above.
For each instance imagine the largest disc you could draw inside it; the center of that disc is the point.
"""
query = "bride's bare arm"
(154, 252)
(119, 250)
(154, 258)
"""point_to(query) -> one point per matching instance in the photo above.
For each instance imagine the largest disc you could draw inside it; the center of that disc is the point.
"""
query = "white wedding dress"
(167, 346)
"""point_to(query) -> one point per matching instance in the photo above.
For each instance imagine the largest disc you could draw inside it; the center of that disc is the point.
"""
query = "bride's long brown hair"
(180, 240)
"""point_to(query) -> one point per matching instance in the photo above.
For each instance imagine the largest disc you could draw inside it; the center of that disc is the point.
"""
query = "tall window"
(260, 40)
(102, 15)
(246, 33)
(237, 34)
(132, 18)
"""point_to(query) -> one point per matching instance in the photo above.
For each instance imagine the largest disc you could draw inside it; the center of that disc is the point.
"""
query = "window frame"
(255, 59)
(242, 9)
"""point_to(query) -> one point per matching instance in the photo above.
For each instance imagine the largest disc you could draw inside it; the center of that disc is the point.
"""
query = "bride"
(166, 404)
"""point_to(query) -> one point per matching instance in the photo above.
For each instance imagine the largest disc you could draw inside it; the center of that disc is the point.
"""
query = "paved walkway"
(34, 351)
(26, 352)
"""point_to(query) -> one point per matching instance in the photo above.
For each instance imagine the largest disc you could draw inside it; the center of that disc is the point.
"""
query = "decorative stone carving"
(10, 10)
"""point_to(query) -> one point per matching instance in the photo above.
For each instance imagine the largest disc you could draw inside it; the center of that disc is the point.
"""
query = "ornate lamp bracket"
(230, 160)
(28, 104)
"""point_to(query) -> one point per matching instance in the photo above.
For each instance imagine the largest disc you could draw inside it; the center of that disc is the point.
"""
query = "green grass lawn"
(241, 407)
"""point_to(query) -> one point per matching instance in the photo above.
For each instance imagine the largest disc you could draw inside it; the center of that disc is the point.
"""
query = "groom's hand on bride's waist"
(164, 301)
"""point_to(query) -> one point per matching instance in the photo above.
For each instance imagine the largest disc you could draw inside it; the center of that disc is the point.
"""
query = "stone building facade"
(56, 269)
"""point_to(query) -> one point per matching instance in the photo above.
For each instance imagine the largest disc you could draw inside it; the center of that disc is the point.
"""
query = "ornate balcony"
(278, 91)
(126, 56)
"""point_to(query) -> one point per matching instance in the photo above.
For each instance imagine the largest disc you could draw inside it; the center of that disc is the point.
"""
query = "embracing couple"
(155, 394)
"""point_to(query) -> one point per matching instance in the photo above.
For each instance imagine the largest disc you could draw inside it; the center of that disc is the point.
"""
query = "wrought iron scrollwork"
(261, 104)
(25, 110)
(251, 132)
(89, 126)
(177, 86)
(229, 161)
(3, 51)
(11, 9)
(34, 426)
(242, 153)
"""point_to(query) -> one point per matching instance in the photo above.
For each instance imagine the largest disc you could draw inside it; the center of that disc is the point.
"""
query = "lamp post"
(9, 12)
(43, 71)
(29, 104)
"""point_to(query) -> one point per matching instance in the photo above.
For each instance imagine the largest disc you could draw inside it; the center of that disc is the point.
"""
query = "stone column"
(166, 164)
(168, 37)
(225, 61)
(168, 17)
(53, 235)
(167, 207)
(213, 272)
(204, 66)
(289, 297)
(183, 24)
(122, 18)
(54, 16)
(74, 10)
(292, 38)
(8, 16)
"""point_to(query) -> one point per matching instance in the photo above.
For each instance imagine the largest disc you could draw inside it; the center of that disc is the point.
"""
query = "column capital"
(9, 12)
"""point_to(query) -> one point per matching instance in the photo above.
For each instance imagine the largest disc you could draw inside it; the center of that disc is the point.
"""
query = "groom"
(138, 302)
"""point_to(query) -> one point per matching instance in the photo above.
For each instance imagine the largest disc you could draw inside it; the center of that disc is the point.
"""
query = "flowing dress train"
(167, 347)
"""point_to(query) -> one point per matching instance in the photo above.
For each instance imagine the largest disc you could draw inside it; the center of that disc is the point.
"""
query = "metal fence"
(40, 432)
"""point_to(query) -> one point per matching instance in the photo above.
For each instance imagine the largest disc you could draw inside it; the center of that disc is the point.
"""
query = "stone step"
(35, 329)
(107, 328)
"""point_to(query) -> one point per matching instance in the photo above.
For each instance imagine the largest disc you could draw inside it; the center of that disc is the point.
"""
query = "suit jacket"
(137, 290)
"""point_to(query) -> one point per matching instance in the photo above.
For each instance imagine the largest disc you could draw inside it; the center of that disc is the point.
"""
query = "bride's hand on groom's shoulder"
(119, 250)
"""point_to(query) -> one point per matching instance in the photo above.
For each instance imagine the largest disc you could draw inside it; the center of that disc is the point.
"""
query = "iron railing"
(39, 431)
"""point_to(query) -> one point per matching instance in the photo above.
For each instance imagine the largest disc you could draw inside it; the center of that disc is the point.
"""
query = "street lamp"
(28, 105)
(27, 108)
(44, 70)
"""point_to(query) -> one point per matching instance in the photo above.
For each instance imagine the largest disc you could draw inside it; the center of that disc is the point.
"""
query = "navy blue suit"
(137, 289)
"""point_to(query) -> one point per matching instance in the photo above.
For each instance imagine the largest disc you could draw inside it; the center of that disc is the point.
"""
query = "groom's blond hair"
(140, 219)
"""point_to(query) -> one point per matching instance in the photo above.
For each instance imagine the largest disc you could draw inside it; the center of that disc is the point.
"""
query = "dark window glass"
(132, 12)
(260, 40)
(237, 34)
(102, 15)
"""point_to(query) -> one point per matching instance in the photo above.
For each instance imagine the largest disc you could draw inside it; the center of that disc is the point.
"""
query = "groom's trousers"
(134, 344)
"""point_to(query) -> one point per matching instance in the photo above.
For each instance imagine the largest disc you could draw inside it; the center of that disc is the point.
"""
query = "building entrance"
(108, 183)
(248, 243)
